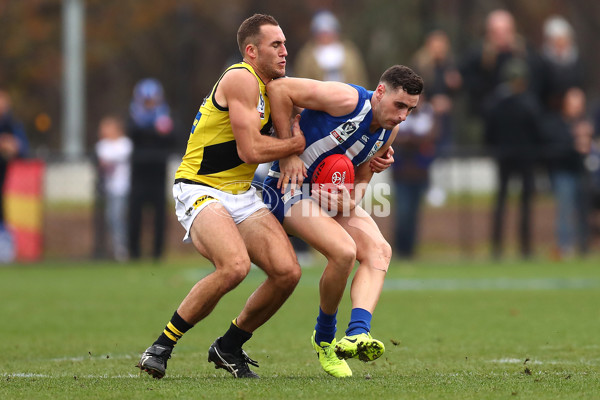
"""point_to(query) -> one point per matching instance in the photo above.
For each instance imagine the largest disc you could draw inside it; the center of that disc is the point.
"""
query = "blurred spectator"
(568, 137)
(150, 129)
(113, 151)
(592, 162)
(435, 63)
(481, 67)
(513, 135)
(326, 57)
(415, 150)
(561, 63)
(500, 95)
(13, 144)
(597, 122)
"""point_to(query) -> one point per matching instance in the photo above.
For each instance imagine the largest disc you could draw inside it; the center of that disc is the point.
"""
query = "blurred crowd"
(528, 105)
(132, 160)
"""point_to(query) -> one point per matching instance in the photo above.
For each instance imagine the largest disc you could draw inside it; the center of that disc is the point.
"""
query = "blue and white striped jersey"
(348, 134)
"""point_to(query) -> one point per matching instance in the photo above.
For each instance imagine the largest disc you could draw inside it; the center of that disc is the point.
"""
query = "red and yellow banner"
(23, 207)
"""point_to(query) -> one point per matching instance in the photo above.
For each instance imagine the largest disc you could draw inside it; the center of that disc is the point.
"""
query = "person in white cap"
(328, 57)
(561, 64)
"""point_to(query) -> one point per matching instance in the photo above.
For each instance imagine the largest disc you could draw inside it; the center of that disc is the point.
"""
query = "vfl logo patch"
(342, 132)
(199, 201)
(349, 127)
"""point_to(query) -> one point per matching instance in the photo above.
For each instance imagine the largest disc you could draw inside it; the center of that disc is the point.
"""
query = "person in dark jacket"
(150, 128)
(481, 67)
(568, 140)
(561, 64)
(513, 135)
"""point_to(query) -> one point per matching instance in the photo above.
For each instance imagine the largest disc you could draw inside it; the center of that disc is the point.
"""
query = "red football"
(334, 170)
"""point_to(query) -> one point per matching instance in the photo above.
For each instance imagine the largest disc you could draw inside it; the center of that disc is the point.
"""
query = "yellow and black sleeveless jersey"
(211, 157)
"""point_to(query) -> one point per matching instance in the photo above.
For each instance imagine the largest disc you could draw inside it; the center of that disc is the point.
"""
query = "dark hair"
(402, 77)
(250, 30)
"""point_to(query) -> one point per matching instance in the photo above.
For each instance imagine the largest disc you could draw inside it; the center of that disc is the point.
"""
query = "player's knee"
(377, 254)
(381, 255)
(234, 270)
(343, 254)
(292, 277)
(289, 276)
(386, 252)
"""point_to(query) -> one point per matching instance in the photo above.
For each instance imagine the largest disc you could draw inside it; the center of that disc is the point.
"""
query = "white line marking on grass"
(490, 284)
(24, 375)
(514, 361)
(538, 362)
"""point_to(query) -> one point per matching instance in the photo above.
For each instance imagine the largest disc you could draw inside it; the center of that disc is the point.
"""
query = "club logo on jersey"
(261, 106)
(343, 132)
(196, 120)
(364, 139)
(377, 146)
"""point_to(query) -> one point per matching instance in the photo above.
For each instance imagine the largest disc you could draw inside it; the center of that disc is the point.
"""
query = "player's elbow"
(249, 156)
(275, 86)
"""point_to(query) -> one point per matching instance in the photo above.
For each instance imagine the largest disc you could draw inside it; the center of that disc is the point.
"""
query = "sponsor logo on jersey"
(364, 138)
(377, 146)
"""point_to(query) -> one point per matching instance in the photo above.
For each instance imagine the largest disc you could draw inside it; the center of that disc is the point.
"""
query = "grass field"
(473, 330)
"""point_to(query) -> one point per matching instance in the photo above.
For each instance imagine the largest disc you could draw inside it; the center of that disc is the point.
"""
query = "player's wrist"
(299, 145)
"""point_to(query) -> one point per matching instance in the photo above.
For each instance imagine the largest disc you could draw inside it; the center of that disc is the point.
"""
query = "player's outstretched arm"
(240, 91)
(334, 98)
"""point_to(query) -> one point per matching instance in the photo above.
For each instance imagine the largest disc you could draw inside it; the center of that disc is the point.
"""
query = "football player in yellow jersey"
(223, 217)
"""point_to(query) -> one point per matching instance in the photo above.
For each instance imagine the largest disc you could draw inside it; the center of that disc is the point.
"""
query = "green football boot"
(362, 346)
(329, 360)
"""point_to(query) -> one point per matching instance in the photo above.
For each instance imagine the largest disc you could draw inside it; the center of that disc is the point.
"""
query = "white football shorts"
(190, 199)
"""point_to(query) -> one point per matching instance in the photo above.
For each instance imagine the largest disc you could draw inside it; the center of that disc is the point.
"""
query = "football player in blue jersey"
(339, 118)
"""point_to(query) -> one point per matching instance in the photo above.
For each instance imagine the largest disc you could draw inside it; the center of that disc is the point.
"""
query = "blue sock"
(326, 327)
(360, 322)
